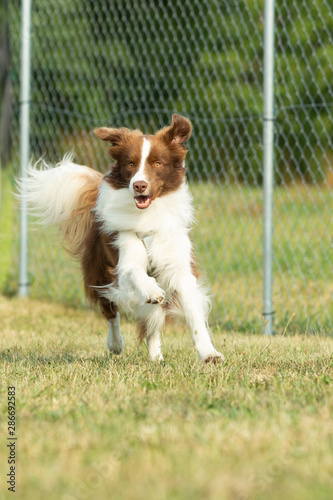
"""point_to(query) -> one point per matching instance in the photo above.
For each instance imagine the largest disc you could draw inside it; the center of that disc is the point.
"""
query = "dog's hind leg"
(151, 321)
(114, 342)
(98, 263)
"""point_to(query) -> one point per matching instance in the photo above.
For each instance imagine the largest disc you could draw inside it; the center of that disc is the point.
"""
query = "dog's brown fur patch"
(84, 239)
(99, 261)
(75, 228)
(141, 330)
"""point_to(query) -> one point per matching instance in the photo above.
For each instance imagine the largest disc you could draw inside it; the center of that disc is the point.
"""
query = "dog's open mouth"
(143, 201)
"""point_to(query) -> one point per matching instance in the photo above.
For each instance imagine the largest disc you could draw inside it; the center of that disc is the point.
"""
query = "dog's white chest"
(148, 241)
(156, 248)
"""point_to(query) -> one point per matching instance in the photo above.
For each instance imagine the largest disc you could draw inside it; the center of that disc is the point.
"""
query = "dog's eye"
(131, 164)
(157, 163)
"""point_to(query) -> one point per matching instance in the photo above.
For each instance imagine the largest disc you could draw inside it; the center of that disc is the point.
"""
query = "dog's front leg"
(151, 321)
(193, 302)
(132, 271)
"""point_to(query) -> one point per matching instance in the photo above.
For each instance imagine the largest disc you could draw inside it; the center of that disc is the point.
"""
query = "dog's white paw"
(152, 293)
(211, 356)
(115, 345)
(215, 358)
(157, 357)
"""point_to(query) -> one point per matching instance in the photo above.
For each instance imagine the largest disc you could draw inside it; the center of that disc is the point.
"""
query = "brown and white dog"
(130, 230)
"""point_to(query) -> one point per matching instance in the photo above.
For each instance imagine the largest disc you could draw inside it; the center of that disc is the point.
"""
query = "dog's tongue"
(142, 201)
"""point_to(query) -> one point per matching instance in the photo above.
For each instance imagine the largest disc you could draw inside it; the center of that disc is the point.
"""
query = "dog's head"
(148, 165)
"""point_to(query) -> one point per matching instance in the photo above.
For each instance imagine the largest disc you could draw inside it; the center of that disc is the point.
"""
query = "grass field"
(94, 426)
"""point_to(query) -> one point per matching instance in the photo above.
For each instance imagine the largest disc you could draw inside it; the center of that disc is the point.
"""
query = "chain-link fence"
(99, 63)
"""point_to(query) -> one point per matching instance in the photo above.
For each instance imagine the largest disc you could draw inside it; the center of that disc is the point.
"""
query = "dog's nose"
(140, 186)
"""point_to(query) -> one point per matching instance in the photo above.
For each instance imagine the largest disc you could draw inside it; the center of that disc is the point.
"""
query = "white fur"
(155, 240)
(116, 210)
(156, 318)
(115, 342)
(52, 192)
(135, 287)
(140, 175)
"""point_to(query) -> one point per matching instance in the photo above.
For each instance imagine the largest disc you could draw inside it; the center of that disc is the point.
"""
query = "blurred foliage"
(133, 64)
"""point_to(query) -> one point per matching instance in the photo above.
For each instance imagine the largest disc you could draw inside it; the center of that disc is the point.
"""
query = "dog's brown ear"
(113, 135)
(178, 132)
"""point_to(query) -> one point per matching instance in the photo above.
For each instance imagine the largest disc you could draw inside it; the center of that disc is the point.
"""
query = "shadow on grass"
(18, 355)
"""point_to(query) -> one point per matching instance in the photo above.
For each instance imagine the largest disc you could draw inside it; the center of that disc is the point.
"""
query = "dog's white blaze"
(140, 175)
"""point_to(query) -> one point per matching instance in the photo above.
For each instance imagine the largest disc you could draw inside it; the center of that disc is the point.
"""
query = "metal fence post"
(24, 142)
(268, 165)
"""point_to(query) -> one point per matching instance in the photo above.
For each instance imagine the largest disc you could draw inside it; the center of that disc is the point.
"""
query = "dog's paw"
(211, 356)
(115, 345)
(156, 357)
(214, 358)
(156, 298)
(152, 293)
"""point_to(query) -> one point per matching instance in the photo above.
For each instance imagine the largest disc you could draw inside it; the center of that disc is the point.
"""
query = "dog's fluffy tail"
(63, 195)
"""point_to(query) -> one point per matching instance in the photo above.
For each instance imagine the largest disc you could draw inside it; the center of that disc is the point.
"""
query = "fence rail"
(135, 63)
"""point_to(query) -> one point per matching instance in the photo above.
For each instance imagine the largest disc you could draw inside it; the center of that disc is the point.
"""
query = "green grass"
(92, 425)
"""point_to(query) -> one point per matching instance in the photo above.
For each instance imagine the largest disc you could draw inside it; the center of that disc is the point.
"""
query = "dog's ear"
(118, 138)
(114, 135)
(178, 132)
